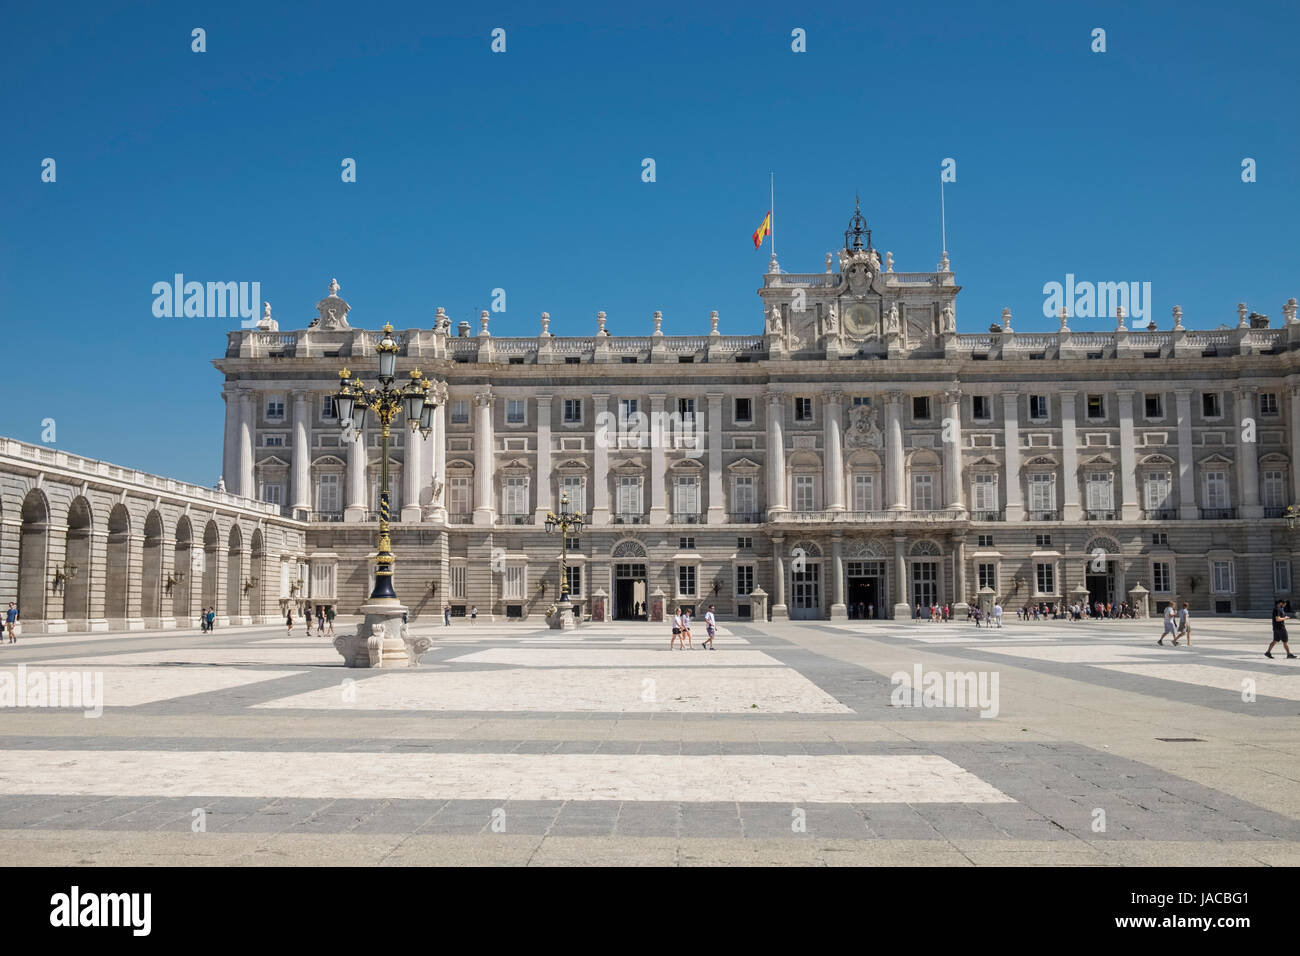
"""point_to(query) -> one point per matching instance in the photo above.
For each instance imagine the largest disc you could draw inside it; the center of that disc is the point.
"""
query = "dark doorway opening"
(630, 592)
(864, 599)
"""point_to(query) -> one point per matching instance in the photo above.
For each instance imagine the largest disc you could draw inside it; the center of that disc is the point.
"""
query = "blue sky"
(522, 171)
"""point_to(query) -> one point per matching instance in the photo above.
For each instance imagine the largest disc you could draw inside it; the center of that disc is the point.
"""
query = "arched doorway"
(806, 581)
(630, 596)
(255, 608)
(152, 566)
(926, 575)
(76, 566)
(180, 581)
(235, 576)
(117, 567)
(211, 553)
(33, 559)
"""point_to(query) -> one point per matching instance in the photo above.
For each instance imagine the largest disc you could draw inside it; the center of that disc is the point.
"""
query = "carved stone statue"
(828, 263)
(713, 322)
(861, 431)
(221, 484)
(832, 320)
(441, 323)
(948, 319)
(375, 644)
(889, 262)
(659, 322)
(416, 647)
(332, 311)
(546, 324)
(775, 326)
(893, 318)
(267, 323)
(600, 324)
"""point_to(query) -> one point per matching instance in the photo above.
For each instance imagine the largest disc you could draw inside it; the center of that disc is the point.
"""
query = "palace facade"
(856, 458)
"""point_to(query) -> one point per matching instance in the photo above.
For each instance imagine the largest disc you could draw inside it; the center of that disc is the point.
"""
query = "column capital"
(544, 399)
(483, 398)
(715, 398)
(1124, 393)
(773, 397)
(897, 397)
(1183, 394)
(834, 396)
(298, 394)
(951, 396)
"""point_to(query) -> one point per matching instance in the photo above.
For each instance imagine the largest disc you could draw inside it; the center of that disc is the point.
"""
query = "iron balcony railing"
(327, 516)
(1218, 514)
(1096, 515)
(745, 517)
(1043, 516)
(517, 519)
(462, 517)
(629, 519)
(1160, 514)
(987, 516)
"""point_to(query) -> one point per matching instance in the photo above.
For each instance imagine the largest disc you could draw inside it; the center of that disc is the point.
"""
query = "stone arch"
(183, 571)
(211, 559)
(152, 570)
(234, 571)
(811, 549)
(628, 548)
(117, 566)
(256, 568)
(33, 556)
(1103, 543)
(865, 548)
(77, 564)
(925, 549)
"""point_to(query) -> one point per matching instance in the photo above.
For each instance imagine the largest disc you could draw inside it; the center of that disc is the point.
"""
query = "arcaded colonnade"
(90, 546)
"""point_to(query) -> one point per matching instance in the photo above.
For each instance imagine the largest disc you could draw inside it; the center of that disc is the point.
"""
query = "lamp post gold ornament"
(564, 522)
(383, 640)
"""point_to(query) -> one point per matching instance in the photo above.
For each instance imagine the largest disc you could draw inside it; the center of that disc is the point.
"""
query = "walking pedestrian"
(288, 620)
(1170, 629)
(1279, 631)
(329, 618)
(11, 622)
(677, 629)
(1184, 626)
(473, 613)
(212, 619)
(686, 628)
(446, 615)
(307, 620)
(320, 619)
(710, 628)
(997, 614)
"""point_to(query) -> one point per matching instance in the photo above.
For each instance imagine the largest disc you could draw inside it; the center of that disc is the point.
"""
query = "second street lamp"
(564, 522)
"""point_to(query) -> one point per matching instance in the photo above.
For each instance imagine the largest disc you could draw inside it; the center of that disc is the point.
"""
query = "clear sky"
(522, 170)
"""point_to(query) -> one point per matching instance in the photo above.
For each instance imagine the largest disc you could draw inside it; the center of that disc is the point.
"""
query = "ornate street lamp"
(417, 402)
(1292, 516)
(564, 522)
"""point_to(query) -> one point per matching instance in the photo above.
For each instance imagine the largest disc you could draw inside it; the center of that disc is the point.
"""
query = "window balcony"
(394, 515)
(1098, 516)
(745, 517)
(327, 516)
(686, 518)
(1274, 512)
(1160, 514)
(987, 516)
(1043, 516)
(464, 517)
(1218, 514)
(527, 518)
(629, 518)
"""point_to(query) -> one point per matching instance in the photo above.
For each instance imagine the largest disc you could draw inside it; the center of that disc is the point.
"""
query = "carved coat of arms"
(862, 430)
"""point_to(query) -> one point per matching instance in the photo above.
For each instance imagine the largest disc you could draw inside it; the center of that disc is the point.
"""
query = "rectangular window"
(573, 543)
(1045, 575)
(921, 408)
(1160, 537)
(1210, 405)
(1042, 540)
(803, 410)
(1155, 405)
(1223, 578)
(1273, 489)
(805, 487)
(327, 494)
(744, 410)
(328, 413)
(459, 501)
(460, 411)
(516, 411)
(628, 409)
(513, 584)
(1216, 489)
(273, 493)
(686, 500)
(1038, 406)
(1100, 491)
(686, 543)
(457, 580)
(864, 492)
(1268, 404)
(1042, 492)
(922, 492)
(981, 409)
(984, 493)
(744, 543)
(1281, 577)
(744, 579)
(275, 408)
(575, 487)
(272, 441)
(514, 496)
(573, 576)
(573, 411)
(686, 411)
(987, 575)
(1160, 577)
(686, 580)
(743, 497)
(1096, 406)
(1157, 489)
(984, 540)
(629, 495)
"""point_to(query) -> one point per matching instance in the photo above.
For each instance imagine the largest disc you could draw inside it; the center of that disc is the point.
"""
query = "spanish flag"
(763, 231)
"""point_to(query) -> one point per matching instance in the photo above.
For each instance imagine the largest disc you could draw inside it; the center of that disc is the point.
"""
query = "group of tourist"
(937, 612)
(324, 620)
(208, 619)
(682, 630)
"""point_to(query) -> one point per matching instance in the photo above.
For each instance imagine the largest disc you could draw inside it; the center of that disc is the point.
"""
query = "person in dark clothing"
(1279, 631)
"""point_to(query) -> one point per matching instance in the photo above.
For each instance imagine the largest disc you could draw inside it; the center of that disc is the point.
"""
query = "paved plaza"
(791, 743)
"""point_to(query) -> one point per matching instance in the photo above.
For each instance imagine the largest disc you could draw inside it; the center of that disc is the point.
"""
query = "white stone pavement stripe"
(1078, 653)
(324, 654)
(1280, 684)
(566, 690)
(615, 657)
(130, 686)
(643, 777)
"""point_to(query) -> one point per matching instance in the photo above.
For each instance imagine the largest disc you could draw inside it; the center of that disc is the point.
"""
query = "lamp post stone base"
(382, 639)
(562, 619)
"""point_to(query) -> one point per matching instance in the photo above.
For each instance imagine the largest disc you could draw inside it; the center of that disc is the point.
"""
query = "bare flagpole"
(772, 209)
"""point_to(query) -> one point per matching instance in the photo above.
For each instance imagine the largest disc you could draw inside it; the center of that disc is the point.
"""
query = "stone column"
(895, 493)
(1129, 510)
(230, 452)
(1295, 442)
(1187, 509)
(658, 508)
(543, 478)
(1011, 439)
(776, 468)
(779, 610)
(959, 604)
(951, 436)
(412, 472)
(355, 507)
(833, 475)
(839, 611)
(717, 500)
(300, 495)
(603, 434)
(438, 471)
(246, 486)
(485, 510)
(1070, 510)
(902, 610)
(1248, 456)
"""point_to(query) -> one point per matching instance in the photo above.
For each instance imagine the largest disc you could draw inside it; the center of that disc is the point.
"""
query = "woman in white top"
(686, 629)
(677, 630)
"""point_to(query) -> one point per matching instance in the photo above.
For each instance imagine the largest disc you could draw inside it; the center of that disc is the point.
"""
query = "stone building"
(858, 457)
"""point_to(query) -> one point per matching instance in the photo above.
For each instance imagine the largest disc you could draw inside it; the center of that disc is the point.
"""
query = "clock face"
(859, 321)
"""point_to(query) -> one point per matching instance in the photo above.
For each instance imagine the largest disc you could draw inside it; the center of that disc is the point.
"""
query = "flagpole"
(772, 207)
